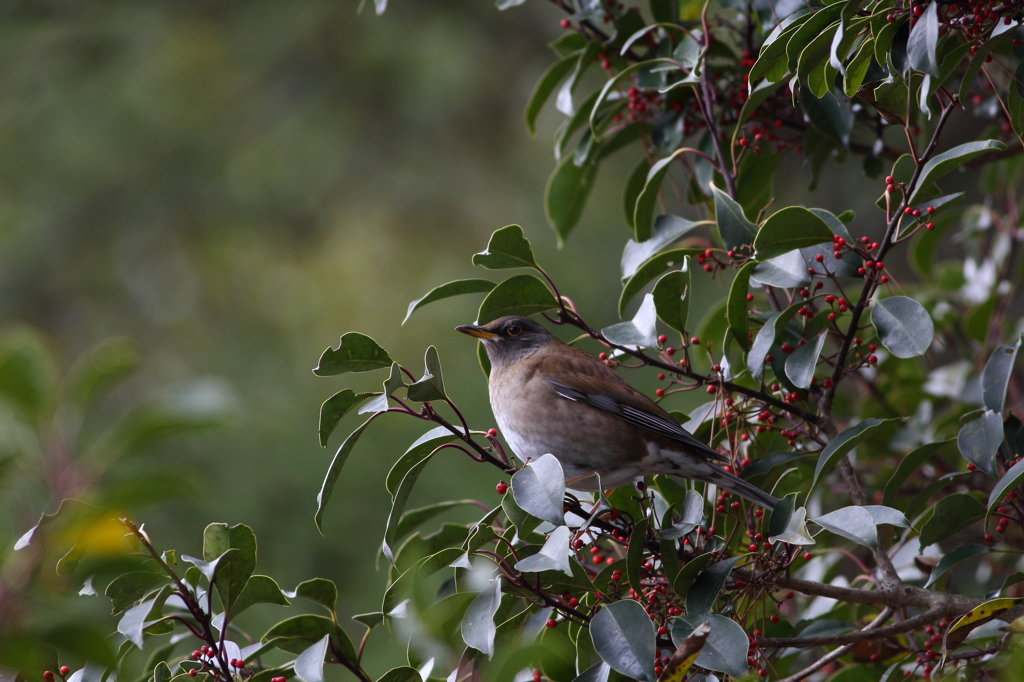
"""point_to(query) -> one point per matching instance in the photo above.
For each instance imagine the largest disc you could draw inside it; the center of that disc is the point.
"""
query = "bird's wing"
(581, 378)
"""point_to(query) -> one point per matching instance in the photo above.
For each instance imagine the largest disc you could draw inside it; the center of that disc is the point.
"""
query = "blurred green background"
(234, 185)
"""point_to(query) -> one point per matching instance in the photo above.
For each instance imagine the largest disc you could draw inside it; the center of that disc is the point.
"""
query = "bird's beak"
(478, 332)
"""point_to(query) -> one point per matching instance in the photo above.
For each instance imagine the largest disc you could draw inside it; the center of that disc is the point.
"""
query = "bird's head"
(510, 338)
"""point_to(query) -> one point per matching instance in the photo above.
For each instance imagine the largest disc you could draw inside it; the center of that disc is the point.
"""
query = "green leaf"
(1010, 480)
(957, 556)
(904, 327)
(456, 288)
(815, 24)
(520, 295)
(858, 68)
(478, 628)
(423, 445)
(634, 186)
(725, 650)
(765, 338)
(852, 523)
(979, 441)
(791, 228)
(950, 515)
(414, 518)
(692, 516)
(309, 666)
(643, 213)
(296, 633)
(923, 42)
(640, 331)
(736, 308)
(907, 466)
(545, 86)
(356, 353)
(733, 225)
(405, 673)
(431, 385)
(539, 489)
(839, 446)
(554, 555)
(772, 63)
(948, 161)
(566, 195)
(260, 589)
(624, 638)
(672, 297)
(233, 573)
(400, 497)
(801, 363)
(688, 574)
(785, 271)
(635, 554)
(758, 94)
(128, 588)
(334, 471)
(319, 590)
(619, 77)
(996, 376)
(334, 408)
(667, 230)
(507, 248)
(101, 368)
(132, 623)
(831, 115)
(702, 595)
(653, 267)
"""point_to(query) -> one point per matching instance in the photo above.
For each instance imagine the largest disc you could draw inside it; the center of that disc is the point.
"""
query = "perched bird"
(549, 397)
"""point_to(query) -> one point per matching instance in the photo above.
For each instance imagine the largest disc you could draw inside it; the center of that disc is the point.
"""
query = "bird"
(550, 397)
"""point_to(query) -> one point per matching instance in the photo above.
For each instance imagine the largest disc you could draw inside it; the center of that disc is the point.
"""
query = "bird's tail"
(709, 473)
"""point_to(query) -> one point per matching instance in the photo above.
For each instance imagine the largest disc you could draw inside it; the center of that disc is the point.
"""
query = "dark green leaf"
(233, 574)
(456, 288)
(334, 471)
(831, 115)
(334, 408)
(1010, 481)
(907, 466)
(624, 638)
(545, 86)
(554, 555)
(478, 629)
(356, 353)
(414, 518)
(539, 489)
(996, 376)
(924, 40)
(733, 225)
(692, 516)
(801, 363)
(858, 68)
(951, 515)
(640, 331)
(400, 497)
(431, 385)
(128, 588)
(423, 446)
(672, 297)
(688, 574)
(295, 634)
(766, 338)
(980, 439)
(958, 555)
(778, 521)
(405, 673)
(772, 62)
(702, 595)
(904, 327)
(634, 185)
(651, 269)
(520, 295)
(791, 228)
(725, 650)
(643, 214)
(635, 554)
(764, 465)
(507, 248)
(260, 589)
(133, 621)
(566, 195)
(736, 308)
(667, 230)
(839, 446)
(956, 157)
(320, 590)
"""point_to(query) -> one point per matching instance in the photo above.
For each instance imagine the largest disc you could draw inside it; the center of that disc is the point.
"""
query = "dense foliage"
(877, 400)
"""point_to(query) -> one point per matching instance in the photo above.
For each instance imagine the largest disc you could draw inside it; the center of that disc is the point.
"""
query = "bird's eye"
(513, 330)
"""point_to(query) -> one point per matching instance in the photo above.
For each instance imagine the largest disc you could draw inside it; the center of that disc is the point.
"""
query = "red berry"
(971, 467)
(989, 538)
(564, 23)
(930, 226)
(192, 672)
(775, 618)
(659, 392)
(889, 180)
(551, 623)
(807, 556)
(883, 279)
(694, 340)
(750, 297)
(501, 488)
(64, 670)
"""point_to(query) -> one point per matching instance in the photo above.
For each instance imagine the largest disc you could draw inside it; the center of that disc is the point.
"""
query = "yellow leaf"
(989, 609)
